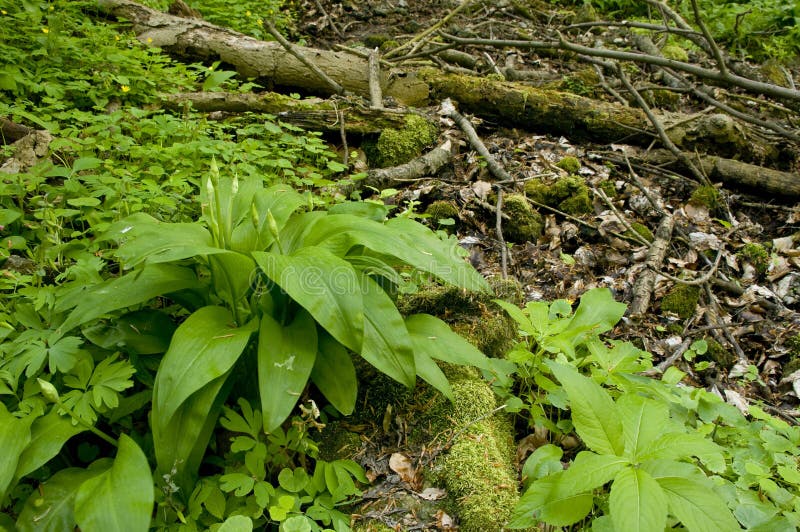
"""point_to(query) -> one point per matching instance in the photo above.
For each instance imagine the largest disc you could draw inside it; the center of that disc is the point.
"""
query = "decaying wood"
(507, 103)
(428, 164)
(11, 131)
(737, 173)
(315, 114)
(643, 289)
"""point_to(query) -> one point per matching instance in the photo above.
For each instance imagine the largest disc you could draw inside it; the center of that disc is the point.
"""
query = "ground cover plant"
(192, 298)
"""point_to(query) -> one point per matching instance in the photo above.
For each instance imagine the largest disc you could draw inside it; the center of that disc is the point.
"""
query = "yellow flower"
(51, 8)
(45, 30)
(124, 88)
(149, 40)
(116, 37)
(247, 13)
(3, 11)
(259, 22)
(211, 68)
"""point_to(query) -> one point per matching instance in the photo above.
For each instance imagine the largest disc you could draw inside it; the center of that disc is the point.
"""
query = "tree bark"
(506, 103)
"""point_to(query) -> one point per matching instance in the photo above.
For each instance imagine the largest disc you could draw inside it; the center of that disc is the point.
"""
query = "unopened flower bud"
(48, 390)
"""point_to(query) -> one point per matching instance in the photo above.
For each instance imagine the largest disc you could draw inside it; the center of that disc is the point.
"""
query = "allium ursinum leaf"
(121, 498)
(52, 507)
(643, 421)
(15, 434)
(334, 374)
(286, 355)
(637, 503)
(594, 413)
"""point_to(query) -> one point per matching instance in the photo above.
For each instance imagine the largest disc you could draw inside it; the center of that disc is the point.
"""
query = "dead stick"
(375, 95)
(499, 229)
(466, 126)
(643, 289)
(270, 27)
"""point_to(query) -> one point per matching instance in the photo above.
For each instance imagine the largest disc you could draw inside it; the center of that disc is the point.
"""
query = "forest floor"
(742, 244)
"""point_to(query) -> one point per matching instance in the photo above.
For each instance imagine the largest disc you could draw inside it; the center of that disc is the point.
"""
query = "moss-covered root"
(478, 470)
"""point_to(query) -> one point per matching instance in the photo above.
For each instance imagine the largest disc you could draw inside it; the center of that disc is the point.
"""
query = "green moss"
(608, 187)
(757, 255)
(439, 210)
(675, 52)
(375, 40)
(372, 526)
(642, 230)
(706, 196)
(681, 300)
(537, 191)
(793, 343)
(717, 352)
(398, 146)
(478, 470)
(336, 442)
(524, 224)
(494, 76)
(583, 82)
(570, 164)
(391, 44)
(569, 194)
(578, 203)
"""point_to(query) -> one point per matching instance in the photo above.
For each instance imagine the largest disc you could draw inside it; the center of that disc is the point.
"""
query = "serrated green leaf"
(48, 434)
(590, 471)
(62, 354)
(643, 421)
(286, 356)
(594, 414)
(334, 374)
(204, 347)
(325, 285)
(676, 445)
(51, 509)
(120, 498)
(637, 502)
(546, 501)
(108, 379)
(699, 508)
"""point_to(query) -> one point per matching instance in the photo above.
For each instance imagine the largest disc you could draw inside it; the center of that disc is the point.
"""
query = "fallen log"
(506, 103)
(314, 114)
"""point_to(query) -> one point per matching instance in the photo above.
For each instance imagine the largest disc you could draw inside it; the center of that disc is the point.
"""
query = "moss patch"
(440, 210)
(681, 300)
(642, 230)
(398, 146)
(570, 164)
(717, 352)
(675, 52)
(757, 255)
(569, 194)
(524, 224)
(706, 196)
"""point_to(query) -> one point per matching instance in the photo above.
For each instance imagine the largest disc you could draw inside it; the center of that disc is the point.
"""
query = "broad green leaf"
(143, 332)
(387, 344)
(180, 442)
(15, 434)
(677, 445)
(334, 374)
(237, 523)
(542, 462)
(546, 501)
(434, 337)
(699, 508)
(430, 372)
(643, 421)
(129, 290)
(597, 311)
(48, 434)
(286, 356)
(590, 471)
(518, 316)
(637, 502)
(204, 347)
(594, 414)
(232, 275)
(293, 480)
(403, 238)
(280, 200)
(326, 286)
(51, 509)
(120, 498)
(144, 239)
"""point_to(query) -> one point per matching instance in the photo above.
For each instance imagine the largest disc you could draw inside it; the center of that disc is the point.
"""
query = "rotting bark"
(643, 289)
(736, 173)
(507, 103)
(427, 164)
(314, 114)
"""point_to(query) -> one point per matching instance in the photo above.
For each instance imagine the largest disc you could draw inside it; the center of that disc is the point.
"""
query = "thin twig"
(499, 229)
(427, 32)
(375, 93)
(329, 19)
(270, 27)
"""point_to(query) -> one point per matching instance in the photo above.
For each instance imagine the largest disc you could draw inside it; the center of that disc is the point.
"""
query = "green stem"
(99, 433)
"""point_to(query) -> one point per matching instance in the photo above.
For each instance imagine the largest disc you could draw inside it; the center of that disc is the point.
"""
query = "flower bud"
(48, 390)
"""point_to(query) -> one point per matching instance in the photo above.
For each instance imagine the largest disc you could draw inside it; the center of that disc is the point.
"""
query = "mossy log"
(315, 114)
(507, 103)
